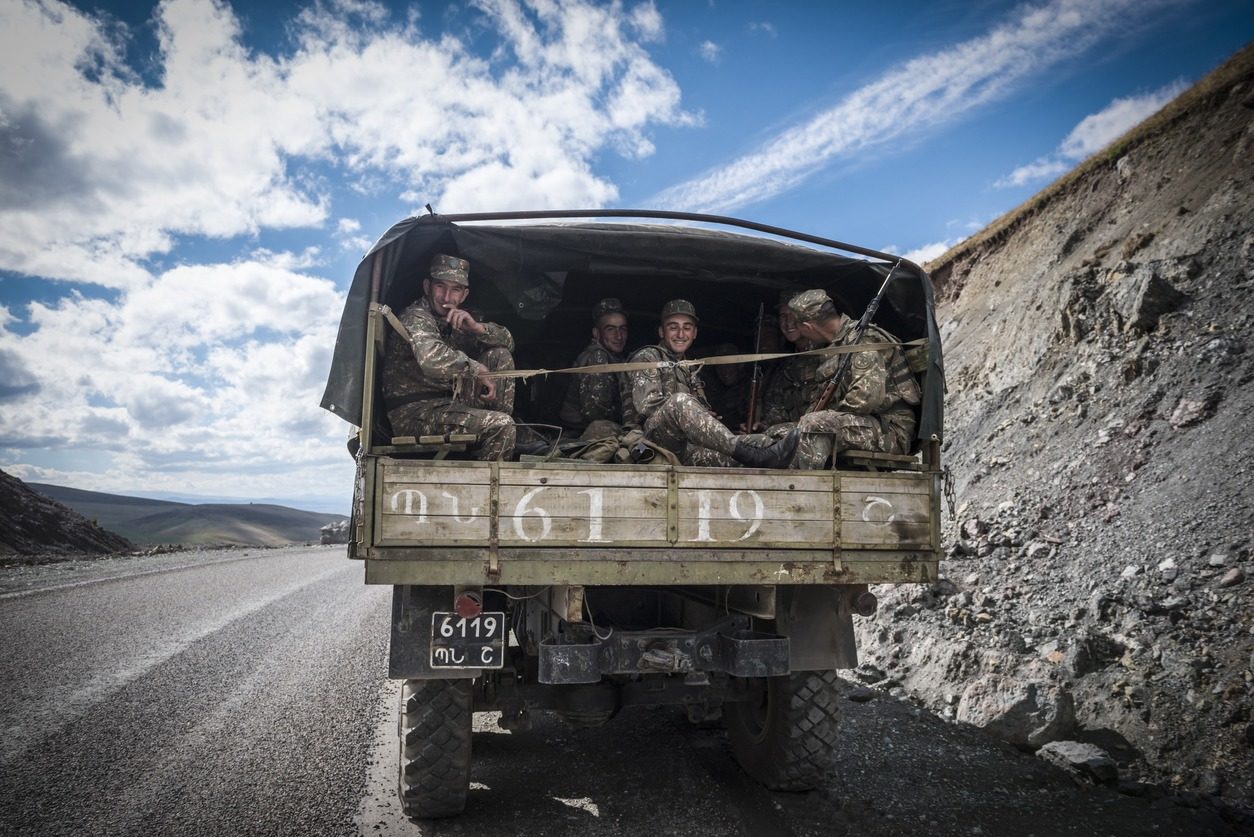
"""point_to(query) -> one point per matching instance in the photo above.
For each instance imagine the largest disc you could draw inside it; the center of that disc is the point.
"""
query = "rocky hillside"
(31, 524)
(1099, 360)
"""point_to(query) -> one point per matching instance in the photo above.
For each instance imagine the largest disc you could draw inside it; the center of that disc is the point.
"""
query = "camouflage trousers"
(487, 418)
(683, 426)
(826, 433)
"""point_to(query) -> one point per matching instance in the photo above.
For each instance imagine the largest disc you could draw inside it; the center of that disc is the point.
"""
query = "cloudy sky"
(186, 187)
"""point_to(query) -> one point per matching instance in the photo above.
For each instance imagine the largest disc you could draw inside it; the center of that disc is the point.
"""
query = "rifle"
(751, 413)
(829, 391)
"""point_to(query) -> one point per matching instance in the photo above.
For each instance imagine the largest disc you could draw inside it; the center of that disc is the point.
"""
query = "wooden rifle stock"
(829, 391)
(751, 412)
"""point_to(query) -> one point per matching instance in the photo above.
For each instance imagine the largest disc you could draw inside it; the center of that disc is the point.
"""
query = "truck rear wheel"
(435, 747)
(785, 739)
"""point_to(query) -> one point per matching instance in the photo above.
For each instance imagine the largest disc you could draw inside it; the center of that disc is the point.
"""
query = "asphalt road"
(245, 693)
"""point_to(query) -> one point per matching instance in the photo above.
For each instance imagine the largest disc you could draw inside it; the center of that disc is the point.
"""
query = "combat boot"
(778, 455)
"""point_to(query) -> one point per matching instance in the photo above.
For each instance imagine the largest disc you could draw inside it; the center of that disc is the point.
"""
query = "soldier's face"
(788, 326)
(444, 296)
(678, 333)
(611, 332)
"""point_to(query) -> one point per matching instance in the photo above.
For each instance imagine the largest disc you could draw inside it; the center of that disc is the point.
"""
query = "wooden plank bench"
(439, 446)
(876, 461)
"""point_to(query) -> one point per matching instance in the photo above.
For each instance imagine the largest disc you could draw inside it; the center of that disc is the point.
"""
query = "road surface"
(245, 692)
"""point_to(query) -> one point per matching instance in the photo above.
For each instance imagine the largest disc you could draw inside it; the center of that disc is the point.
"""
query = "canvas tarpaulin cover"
(523, 274)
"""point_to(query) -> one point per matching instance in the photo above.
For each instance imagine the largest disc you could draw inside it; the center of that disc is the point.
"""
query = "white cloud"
(710, 51)
(925, 253)
(921, 94)
(763, 26)
(207, 375)
(1093, 133)
(100, 170)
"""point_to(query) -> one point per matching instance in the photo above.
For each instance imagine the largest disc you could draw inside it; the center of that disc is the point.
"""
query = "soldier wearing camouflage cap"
(671, 402)
(438, 383)
(597, 397)
(876, 398)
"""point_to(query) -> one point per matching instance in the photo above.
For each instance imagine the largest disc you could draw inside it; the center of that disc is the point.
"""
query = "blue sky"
(186, 187)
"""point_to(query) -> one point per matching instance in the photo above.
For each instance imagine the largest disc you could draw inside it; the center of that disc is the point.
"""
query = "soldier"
(794, 384)
(671, 402)
(439, 382)
(877, 395)
(597, 396)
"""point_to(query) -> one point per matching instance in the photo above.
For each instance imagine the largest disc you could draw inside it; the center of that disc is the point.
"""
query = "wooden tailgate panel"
(422, 503)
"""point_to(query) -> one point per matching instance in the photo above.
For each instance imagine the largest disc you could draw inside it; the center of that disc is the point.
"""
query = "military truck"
(582, 589)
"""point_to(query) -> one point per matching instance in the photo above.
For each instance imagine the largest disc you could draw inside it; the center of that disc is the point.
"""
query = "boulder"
(1085, 762)
(334, 532)
(1143, 296)
(1021, 712)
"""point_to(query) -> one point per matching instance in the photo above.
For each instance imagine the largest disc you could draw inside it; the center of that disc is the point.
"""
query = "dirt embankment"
(1100, 569)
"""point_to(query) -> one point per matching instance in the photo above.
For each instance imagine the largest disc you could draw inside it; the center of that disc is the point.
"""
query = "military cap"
(785, 296)
(609, 305)
(679, 306)
(450, 269)
(811, 305)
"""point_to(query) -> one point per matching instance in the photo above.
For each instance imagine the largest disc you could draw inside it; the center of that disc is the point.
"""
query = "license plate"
(462, 642)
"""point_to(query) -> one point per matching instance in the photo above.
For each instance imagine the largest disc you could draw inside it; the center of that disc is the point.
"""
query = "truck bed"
(458, 522)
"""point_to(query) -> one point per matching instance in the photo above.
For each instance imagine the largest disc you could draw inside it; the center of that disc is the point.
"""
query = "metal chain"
(948, 490)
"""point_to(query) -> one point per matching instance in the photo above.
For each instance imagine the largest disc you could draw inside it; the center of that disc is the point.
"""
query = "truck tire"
(435, 747)
(786, 739)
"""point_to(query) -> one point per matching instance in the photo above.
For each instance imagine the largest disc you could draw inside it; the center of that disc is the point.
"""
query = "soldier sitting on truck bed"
(596, 397)
(438, 383)
(794, 384)
(671, 402)
(875, 402)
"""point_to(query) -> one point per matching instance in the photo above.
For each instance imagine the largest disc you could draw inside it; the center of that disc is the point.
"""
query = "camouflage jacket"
(876, 383)
(791, 389)
(651, 387)
(596, 395)
(436, 356)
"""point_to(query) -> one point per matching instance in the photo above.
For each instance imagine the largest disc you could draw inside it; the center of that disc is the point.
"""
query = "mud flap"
(818, 622)
(409, 652)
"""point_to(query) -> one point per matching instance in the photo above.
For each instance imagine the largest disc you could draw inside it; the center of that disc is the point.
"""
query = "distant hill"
(32, 523)
(147, 521)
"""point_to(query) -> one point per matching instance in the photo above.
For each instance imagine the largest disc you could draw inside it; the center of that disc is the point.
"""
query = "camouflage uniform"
(877, 399)
(791, 389)
(676, 415)
(596, 395)
(429, 385)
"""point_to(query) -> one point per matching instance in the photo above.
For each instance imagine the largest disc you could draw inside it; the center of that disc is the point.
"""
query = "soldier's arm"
(496, 335)
(646, 385)
(437, 360)
(597, 393)
(867, 393)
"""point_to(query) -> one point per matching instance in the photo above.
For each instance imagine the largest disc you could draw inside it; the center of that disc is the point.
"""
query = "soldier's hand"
(461, 320)
(487, 386)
